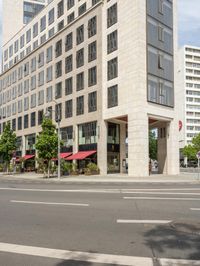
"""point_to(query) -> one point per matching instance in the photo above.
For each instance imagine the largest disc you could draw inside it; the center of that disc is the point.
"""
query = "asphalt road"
(102, 224)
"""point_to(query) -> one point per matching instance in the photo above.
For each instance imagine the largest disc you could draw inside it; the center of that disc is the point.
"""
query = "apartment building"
(189, 92)
(17, 13)
(107, 69)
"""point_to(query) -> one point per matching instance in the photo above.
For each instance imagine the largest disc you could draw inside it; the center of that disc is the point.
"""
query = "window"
(94, 2)
(60, 9)
(49, 54)
(58, 71)
(22, 41)
(92, 76)
(51, 16)
(112, 71)
(80, 105)
(80, 58)
(40, 59)
(28, 36)
(68, 64)
(58, 112)
(80, 35)
(70, 18)
(49, 94)
(26, 69)
(33, 64)
(51, 32)
(70, 4)
(43, 39)
(26, 121)
(61, 25)
(58, 90)
(68, 86)
(33, 119)
(19, 123)
(68, 42)
(14, 124)
(160, 61)
(92, 101)
(160, 33)
(41, 78)
(58, 49)
(26, 86)
(87, 133)
(49, 74)
(112, 15)
(92, 27)
(82, 9)
(92, 51)
(33, 100)
(42, 23)
(33, 82)
(68, 109)
(160, 6)
(40, 116)
(112, 96)
(40, 97)
(16, 46)
(80, 81)
(35, 30)
(112, 42)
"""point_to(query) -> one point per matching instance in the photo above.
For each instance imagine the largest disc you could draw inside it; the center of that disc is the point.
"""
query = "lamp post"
(47, 114)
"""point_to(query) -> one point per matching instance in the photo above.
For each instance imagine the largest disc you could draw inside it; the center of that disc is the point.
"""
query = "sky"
(188, 22)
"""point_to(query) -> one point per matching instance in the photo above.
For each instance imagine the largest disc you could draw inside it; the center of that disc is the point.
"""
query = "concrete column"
(122, 147)
(162, 149)
(172, 148)
(138, 144)
(102, 147)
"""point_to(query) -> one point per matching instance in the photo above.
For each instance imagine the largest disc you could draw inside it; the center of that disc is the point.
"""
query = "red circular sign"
(180, 125)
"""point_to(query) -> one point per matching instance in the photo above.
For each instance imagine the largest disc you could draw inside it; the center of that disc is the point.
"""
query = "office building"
(17, 13)
(189, 93)
(107, 68)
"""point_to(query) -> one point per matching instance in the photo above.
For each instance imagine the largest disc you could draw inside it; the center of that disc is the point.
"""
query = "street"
(99, 224)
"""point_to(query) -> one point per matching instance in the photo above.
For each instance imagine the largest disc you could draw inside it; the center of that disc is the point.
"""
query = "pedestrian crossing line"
(50, 203)
(195, 209)
(143, 221)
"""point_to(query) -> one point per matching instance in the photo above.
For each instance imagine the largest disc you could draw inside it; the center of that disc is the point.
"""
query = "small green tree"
(190, 152)
(8, 142)
(47, 143)
(152, 145)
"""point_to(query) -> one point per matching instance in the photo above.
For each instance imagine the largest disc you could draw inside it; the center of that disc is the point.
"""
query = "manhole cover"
(186, 227)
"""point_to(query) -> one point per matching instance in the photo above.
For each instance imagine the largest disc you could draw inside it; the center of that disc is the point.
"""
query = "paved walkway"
(112, 178)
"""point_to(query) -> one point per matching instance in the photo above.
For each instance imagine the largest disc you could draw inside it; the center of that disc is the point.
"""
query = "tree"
(8, 142)
(47, 143)
(190, 152)
(152, 145)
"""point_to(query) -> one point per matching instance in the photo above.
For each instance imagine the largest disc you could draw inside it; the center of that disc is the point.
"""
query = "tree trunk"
(7, 168)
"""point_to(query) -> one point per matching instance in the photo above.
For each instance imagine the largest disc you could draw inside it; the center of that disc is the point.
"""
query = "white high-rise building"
(106, 68)
(189, 93)
(17, 13)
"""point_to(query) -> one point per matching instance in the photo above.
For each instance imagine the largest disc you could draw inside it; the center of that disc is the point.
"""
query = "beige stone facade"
(128, 120)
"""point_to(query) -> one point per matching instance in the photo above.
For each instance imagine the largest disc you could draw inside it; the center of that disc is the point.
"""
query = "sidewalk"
(112, 178)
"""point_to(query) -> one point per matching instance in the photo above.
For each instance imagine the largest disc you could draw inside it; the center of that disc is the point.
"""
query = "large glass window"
(87, 133)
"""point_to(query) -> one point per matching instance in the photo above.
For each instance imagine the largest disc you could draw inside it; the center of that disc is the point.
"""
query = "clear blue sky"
(188, 21)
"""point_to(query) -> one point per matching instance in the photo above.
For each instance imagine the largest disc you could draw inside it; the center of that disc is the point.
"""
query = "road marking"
(195, 209)
(143, 221)
(174, 262)
(50, 203)
(114, 190)
(156, 198)
(163, 193)
(76, 255)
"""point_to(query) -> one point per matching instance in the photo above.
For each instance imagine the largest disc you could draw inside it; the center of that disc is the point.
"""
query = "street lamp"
(47, 114)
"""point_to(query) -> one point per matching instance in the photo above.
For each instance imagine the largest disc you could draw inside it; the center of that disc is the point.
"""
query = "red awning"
(27, 157)
(63, 155)
(80, 155)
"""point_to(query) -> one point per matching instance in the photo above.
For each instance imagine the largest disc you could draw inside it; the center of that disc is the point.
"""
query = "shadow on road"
(178, 237)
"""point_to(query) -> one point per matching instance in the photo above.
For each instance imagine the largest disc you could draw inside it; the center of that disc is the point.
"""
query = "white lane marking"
(114, 190)
(76, 255)
(143, 221)
(158, 198)
(174, 262)
(50, 203)
(162, 193)
(195, 209)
